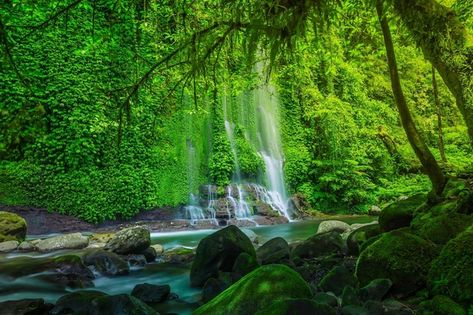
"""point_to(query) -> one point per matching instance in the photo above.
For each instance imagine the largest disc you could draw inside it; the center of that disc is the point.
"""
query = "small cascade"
(193, 212)
(241, 207)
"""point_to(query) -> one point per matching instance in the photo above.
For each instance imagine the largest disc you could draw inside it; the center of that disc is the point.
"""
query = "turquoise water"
(34, 286)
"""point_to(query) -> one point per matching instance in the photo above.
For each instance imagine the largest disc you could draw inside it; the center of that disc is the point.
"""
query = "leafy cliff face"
(80, 136)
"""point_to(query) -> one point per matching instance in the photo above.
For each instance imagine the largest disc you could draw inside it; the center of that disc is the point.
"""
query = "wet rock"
(273, 251)
(24, 307)
(120, 304)
(333, 225)
(70, 271)
(251, 235)
(297, 306)
(79, 302)
(336, 280)
(66, 241)
(135, 260)
(26, 246)
(178, 255)
(264, 209)
(319, 245)
(151, 293)
(150, 254)
(158, 248)
(376, 290)
(12, 227)
(218, 252)
(107, 263)
(8, 246)
(299, 203)
(258, 290)
(132, 240)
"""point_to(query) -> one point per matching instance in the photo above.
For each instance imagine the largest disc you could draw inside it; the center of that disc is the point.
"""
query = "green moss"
(441, 305)
(297, 306)
(257, 290)
(442, 228)
(400, 213)
(451, 273)
(400, 256)
(12, 227)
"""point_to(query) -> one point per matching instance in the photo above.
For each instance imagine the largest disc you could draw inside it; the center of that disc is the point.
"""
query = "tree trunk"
(445, 43)
(426, 158)
(438, 107)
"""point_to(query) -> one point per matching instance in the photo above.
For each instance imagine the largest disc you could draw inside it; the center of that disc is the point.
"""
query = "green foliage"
(221, 164)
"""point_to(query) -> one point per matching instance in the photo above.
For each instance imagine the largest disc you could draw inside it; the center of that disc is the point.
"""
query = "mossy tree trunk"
(438, 107)
(426, 158)
(444, 42)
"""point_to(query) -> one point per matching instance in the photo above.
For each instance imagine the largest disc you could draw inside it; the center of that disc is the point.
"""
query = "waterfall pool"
(177, 276)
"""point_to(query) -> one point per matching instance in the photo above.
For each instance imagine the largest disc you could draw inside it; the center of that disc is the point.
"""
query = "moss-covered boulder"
(452, 272)
(105, 262)
(258, 290)
(132, 240)
(12, 227)
(359, 236)
(441, 305)
(400, 213)
(218, 253)
(319, 245)
(336, 280)
(273, 251)
(440, 228)
(400, 256)
(297, 306)
(78, 302)
(243, 265)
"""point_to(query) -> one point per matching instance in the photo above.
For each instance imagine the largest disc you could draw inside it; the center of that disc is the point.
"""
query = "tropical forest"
(236, 157)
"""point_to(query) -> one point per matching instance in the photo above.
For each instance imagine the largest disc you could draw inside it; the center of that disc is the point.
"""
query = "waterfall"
(270, 147)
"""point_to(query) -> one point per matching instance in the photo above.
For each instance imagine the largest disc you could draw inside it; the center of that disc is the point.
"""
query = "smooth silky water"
(35, 286)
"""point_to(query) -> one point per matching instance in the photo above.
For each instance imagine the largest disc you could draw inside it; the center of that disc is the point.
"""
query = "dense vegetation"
(111, 107)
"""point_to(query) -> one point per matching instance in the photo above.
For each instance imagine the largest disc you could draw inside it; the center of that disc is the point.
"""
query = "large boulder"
(120, 304)
(78, 302)
(357, 237)
(337, 279)
(297, 306)
(319, 245)
(12, 227)
(107, 263)
(451, 273)
(400, 256)
(218, 252)
(244, 264)
(24, 307)
(333, 225)
(400, 213)
(70, 271)
(66, 241)
(442, 227)
(132, 240)
(151, 293)
(258, 290)
(273, 251)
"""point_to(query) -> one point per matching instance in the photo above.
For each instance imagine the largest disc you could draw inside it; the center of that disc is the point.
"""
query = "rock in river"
(12, 227)
(132, 240)
(66, 241)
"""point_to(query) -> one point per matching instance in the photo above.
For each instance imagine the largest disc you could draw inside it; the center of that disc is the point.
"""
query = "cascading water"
(269, 144)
